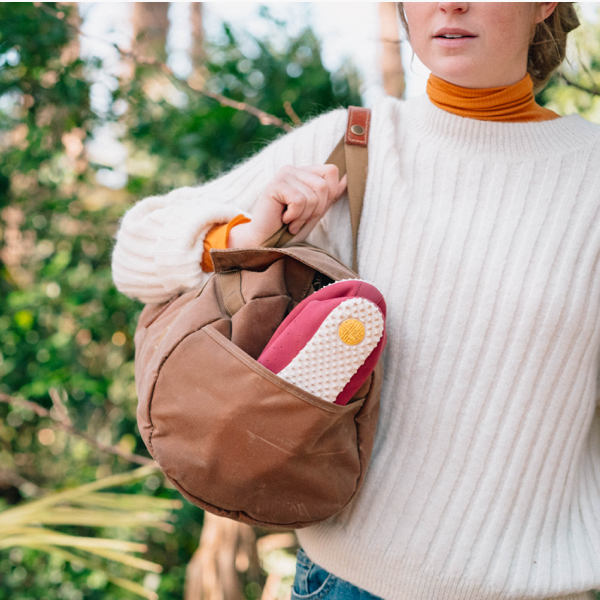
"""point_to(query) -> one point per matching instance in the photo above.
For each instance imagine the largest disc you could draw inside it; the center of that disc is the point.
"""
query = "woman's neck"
(511, 103)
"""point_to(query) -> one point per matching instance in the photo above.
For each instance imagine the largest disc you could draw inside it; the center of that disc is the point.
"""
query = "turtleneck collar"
(420, 121)
(511, 103)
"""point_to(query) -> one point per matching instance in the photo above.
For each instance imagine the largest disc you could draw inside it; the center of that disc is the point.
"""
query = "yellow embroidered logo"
(351, 332)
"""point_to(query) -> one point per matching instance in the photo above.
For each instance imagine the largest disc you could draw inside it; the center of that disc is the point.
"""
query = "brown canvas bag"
(233, 437)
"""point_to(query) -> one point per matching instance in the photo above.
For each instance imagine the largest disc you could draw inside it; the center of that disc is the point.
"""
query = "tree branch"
(64, 423)
(292, 113)
(592, 91)
(59, 407)
(264, 117)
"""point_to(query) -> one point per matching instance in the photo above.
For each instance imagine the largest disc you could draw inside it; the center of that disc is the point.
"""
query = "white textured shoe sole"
(326, 364)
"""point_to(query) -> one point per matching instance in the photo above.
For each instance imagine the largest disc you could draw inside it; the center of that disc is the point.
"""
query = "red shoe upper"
(303, 322)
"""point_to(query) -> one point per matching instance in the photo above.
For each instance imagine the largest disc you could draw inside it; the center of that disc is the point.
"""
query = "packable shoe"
(330, 343)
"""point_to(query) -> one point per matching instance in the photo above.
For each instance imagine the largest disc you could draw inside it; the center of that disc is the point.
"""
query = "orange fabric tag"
(511, 103)
(218, 237)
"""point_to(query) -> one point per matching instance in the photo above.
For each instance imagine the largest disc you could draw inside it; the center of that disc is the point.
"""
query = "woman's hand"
(296, 196)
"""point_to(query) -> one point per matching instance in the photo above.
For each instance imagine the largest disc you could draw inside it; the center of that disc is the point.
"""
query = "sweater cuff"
(218, 238)
(180, 245)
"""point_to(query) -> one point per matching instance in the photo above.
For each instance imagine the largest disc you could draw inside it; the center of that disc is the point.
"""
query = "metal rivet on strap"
(357, 130)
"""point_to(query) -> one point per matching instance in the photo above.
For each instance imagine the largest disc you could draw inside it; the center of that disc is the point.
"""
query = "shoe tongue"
(347, 288)
(351, 288)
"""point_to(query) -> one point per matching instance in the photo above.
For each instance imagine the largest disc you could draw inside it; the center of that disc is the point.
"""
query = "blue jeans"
(312, 582)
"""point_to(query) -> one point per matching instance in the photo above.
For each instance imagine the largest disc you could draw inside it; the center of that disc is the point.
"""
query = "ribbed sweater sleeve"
(159, 243)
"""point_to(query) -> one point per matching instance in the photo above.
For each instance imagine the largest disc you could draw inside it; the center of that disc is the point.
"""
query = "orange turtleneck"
(510, 103)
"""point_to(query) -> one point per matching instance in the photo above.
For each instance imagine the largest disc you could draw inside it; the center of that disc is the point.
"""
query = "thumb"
(341, 186)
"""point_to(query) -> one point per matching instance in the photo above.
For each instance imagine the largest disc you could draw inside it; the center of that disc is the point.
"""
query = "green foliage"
(583, 69)
(62, 323)
(185, 137)
(26, 526)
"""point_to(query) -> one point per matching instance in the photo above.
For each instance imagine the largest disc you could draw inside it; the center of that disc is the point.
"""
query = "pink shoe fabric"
(302, 323)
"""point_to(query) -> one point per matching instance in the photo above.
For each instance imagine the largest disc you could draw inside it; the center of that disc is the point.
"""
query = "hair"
(547, 45)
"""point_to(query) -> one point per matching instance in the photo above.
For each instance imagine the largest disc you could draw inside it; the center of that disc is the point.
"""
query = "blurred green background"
(66, 334)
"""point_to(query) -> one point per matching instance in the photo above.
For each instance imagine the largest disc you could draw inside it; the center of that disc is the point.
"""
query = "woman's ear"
(544, 10)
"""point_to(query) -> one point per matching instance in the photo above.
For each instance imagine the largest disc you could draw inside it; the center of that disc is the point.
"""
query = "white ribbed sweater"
(484, 238)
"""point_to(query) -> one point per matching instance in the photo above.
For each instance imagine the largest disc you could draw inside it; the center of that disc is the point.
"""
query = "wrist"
(238, 236)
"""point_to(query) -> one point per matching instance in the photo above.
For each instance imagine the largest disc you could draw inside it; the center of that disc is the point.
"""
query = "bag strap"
(351, 157)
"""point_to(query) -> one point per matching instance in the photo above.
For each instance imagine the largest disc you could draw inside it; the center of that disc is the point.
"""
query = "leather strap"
(357, 161)
(357, 132)
(279, 238)
(350, 156)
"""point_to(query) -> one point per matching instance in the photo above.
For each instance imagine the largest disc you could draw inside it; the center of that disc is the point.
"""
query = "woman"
(481, 227)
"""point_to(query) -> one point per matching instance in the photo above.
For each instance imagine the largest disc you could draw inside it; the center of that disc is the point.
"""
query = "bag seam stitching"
(270, 376)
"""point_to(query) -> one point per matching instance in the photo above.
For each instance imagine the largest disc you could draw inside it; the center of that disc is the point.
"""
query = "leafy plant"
(575, 88)
(63, 325)
(85, 506)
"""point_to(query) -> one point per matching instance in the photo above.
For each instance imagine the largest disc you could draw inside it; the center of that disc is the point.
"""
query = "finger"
(317, 188)
(325, 199)
(299, 210)
(294, 201)
(328, 173)
(322, 170)
(341, 187)
(312, 207)
(324, 189)
(333, 180)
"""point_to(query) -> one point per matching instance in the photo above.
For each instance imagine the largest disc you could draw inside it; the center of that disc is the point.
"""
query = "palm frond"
(85, 505)
(136, 588)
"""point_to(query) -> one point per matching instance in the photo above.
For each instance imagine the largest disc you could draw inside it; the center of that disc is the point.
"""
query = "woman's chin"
(458, 71)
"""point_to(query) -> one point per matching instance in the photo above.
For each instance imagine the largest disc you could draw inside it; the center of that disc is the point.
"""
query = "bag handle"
(351, 157)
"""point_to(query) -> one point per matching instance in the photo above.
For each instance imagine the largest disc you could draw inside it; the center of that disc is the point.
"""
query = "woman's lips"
(453, 42)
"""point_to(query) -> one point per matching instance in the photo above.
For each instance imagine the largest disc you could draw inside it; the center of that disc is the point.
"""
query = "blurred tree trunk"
(226, 549)
(198, 52)
(199, 73)
(150, 26)
(391, 61)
